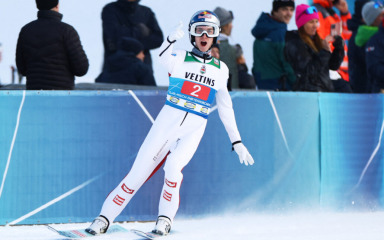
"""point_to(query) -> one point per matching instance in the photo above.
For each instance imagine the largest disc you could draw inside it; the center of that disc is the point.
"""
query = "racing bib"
(190, 96)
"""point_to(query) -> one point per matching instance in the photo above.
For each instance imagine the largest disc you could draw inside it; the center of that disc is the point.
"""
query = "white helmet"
(204, 18)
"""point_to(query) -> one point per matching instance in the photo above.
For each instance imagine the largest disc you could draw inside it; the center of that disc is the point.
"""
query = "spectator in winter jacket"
(127, 18)
(309, 55)
(232, 55)
(375, 61)
(49, 52)
(356, 55)
(215, 51)
(227, 51)
(332, 25)
(373, 14)
(247, 82)
(270, 69)
(127, 66)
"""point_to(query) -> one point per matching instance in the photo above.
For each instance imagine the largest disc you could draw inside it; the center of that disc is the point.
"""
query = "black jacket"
(126, 68)
(129, 19)
(356, 60)
(49, 53)
(311, 68)
(375, 62)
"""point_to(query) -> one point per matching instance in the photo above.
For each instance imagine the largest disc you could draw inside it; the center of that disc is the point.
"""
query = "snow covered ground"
(294, 226)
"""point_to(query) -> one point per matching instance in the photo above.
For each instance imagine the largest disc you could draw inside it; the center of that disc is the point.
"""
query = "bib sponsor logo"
(174, 100)
(190, 105)
(204, 110)
(200, 78)
(203, 69)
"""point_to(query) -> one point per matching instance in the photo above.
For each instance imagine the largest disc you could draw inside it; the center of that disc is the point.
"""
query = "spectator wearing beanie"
(372, 14)
(374, 50)
(309, 55)
(127, 65)
(49, 52)
(356, 55)
(227, 51)
(270, 69)
(232, 55)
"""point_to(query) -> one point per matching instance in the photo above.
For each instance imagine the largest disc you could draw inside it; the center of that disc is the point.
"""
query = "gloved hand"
(144, 30)
(243, 153)
(338, 42)
(177, 34)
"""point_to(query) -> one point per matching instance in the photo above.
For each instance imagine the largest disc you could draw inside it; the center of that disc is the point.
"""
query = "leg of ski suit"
(192, 131)
(171, 128)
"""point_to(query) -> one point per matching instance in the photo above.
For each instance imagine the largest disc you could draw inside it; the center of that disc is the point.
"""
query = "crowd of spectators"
(331, 50)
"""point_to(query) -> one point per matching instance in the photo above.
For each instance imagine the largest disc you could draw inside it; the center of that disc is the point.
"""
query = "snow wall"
(61, 153)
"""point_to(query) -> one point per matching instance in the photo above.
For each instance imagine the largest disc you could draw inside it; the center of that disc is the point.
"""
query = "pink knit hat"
(305, 13)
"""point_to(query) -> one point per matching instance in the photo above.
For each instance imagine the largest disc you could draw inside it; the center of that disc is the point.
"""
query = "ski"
(81, 233)
(147, 235)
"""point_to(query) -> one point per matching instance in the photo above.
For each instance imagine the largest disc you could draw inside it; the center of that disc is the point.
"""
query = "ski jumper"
(194, 83)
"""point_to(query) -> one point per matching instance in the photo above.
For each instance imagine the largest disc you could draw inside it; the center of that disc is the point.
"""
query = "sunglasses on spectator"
(309, 11)
(378, 4)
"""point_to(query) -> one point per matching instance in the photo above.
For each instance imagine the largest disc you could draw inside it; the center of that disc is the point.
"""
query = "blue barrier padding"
(73, 147)
(352, 152)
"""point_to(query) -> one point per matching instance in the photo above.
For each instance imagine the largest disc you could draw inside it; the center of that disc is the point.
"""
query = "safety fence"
(62, 152)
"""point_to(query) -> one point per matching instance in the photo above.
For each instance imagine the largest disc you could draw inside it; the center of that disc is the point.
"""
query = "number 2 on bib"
(196, 90)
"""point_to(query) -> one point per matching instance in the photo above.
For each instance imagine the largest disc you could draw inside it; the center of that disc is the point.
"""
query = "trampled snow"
(293, 226)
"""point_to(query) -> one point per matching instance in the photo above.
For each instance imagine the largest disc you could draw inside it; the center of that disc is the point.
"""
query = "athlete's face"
(204, 42)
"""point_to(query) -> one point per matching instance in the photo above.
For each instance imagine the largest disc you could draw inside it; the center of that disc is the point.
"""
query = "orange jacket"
(333, 24)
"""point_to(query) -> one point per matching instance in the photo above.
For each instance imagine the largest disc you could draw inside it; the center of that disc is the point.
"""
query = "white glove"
(177, 34)
(243, 153)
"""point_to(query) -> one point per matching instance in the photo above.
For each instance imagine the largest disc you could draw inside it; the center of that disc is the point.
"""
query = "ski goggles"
(201, 28)
(378, 4)
(309, 11)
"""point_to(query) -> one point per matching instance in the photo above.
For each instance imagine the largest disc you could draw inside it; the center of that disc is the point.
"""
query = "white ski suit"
(194, 83)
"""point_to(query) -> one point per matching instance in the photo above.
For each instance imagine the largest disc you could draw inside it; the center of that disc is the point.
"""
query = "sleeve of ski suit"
(227, 115)
(166, 58)
(223, 99)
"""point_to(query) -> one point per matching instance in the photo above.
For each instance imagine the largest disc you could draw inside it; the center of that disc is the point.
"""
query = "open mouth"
(203, 43)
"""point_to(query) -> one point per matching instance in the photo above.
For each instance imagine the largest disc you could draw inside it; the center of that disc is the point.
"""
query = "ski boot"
(163, 226)
(99, 225)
